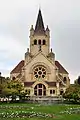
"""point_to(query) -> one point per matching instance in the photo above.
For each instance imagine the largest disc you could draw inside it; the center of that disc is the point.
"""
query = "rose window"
(40, 72)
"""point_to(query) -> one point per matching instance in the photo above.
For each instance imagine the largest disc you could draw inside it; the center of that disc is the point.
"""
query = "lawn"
(19, 111)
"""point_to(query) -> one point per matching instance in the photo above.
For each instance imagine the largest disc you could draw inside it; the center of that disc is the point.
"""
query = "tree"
(77, 81)
(1, 88)
(12, 88)
(15, 87)
(72, 93)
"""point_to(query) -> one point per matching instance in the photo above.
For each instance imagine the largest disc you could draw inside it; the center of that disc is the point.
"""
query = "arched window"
(61, 92)
(13, 78)
(64, 80)
(39, 42)
(35, 42)
(40, 90)
(44, 42)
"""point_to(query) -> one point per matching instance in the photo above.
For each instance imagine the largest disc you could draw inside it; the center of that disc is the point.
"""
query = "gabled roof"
(40, 52)
(39, 27)
(60, 67)
(18, 68)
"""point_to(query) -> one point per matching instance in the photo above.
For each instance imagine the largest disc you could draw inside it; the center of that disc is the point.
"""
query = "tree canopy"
(72, 93)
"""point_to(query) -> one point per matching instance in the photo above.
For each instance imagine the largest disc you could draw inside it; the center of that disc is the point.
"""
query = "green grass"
(54, 109)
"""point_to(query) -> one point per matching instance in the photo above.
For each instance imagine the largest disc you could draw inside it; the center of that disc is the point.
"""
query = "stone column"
(32, 91)
(47, 92)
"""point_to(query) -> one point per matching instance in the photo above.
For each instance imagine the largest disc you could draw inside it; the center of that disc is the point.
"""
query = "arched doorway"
(40, 90)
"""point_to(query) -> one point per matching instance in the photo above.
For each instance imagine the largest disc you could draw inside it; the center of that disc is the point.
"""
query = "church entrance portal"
(40, 90)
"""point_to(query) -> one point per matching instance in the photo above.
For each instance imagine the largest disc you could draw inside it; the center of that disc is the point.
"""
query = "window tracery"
(39, 72)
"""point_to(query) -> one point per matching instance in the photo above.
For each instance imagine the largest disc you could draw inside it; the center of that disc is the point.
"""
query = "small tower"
(31, 31)
(51, 56)
(39, 37)
(47, 31)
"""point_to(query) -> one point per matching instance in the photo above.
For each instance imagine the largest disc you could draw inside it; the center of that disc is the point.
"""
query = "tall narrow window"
(35, 42)
(50, 91)
(39, 42)
(44, 42)
(64, 80)
(61, 92)
(53, 91)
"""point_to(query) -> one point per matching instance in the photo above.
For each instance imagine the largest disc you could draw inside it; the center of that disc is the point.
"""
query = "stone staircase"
(45, 99)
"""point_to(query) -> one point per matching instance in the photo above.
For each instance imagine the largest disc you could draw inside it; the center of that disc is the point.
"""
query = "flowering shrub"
(29, 113)
(23, 114)
(72, 111)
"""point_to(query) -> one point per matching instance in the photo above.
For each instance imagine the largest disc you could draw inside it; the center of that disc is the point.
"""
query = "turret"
(27, 56)
(47, 31)
(31, 31)
(51, 56)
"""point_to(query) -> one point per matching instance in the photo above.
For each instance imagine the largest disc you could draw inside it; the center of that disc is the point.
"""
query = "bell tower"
(39, 37)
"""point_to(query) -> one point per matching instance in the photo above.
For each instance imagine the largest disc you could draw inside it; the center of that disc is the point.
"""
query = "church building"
(39, 72)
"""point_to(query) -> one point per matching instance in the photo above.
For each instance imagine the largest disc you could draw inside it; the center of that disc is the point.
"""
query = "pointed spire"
(39, 27)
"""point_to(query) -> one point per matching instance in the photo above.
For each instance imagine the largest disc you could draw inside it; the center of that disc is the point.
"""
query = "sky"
(63, 19)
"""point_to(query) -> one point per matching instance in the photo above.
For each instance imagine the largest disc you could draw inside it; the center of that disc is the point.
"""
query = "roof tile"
(18, 68)
(60, 67)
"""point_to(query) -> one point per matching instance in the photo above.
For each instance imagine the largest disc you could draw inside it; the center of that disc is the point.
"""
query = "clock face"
(40, 72)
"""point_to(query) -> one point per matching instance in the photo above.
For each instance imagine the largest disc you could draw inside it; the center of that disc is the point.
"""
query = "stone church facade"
(39, 72)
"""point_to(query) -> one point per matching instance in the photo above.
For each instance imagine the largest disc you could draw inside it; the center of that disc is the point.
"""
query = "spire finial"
(28, 50)
(39, 6)
(51, 49)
